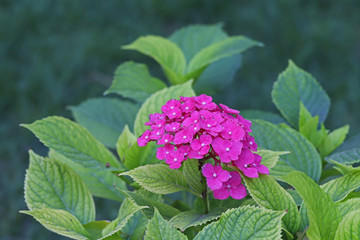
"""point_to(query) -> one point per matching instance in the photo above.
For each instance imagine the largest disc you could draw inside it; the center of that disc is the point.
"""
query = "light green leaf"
(135, 228)
(51, 184)
(348, 206)
(303, 156)
(262, 115)
(344, 169)
(133, 80)
(158, 178)
(192, 174)
(323, 215)
(105, 117)
(270, 158)
(100, 183)
(339, 188)
(127, 210)
(154, 103)
(144, 198)
(126, 139)
(139, 156)
(244, 223)
(218, 50)
(165, 52)
(60, 222)
(294, 194)
(333, 140)
(188, 219)
(293, 86)
(348, 152)
(269, 194)
(74, 142)
(95, 228)
(349, 227)
(159, 229)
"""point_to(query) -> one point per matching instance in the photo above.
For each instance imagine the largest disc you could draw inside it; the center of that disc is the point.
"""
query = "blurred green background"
(59, 53)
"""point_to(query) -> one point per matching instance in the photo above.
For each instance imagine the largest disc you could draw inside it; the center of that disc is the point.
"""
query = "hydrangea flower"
(196, 127)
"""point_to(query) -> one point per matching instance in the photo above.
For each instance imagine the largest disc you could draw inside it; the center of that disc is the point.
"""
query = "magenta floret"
(197, 128)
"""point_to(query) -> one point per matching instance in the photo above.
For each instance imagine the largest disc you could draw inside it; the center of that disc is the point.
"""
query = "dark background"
(59, 53)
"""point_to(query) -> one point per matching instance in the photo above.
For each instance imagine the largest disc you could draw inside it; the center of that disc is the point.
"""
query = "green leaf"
(323, 215)
(270, 158)
(218, 50)
(244, 223)
(100, 183)
(295, 195)
(145, 198)
(105, 118)
(262, 115)
(51, 184)
(344, 169)
(303, 156)
(95, 228)
(348, 152)
(127, 210)
(165, 52)
(60, 222)
(154, 103)
(192, 174)
(188, 219)
(158, 178)
(269, 194)
(349, 227)
(339, 188)
(348, 206)
(293, 86)
(159, 229)
(333, 140)
(139, 156)
(74, 142)
(135, 228)
(126, 139)
(133, 80)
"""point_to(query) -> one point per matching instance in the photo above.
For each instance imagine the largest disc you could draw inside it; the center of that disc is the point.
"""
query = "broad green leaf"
(333, 140)
(127, 210)
(348, 206)
(144, 198)
(74, 142)
(165, 52)
(105, 118)
(293, 86)
(139, 156)
(51, 184)
(270, 158)
(323, 215)
(269, 194)
(126, 139)
(262, 115)
(100, 183)
(339, 188)
(154, 103)
(218, 50)
(133, 80)
(294, 194)
(159, 229)
(244, 223)
(308, 126)
(348, 152)
(349, 227)
(95, 228)
(344, 169)
(60, 222)
(135, 228)
(192, 174)
(158, 178)
(303, 156)
(188, 219)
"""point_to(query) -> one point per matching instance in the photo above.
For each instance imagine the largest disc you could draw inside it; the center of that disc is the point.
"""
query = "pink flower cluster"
(197, 128)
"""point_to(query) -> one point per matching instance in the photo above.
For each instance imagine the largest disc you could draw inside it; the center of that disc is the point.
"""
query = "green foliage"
(188, 219)
(51, 184)
(126, 139)
(244, 223)
(133, 80)
(348, 206)
(263, 115)
(270, 158)
(348, 152)
(192, 175)
(333, 140)
(295, 86)
(349, 227)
